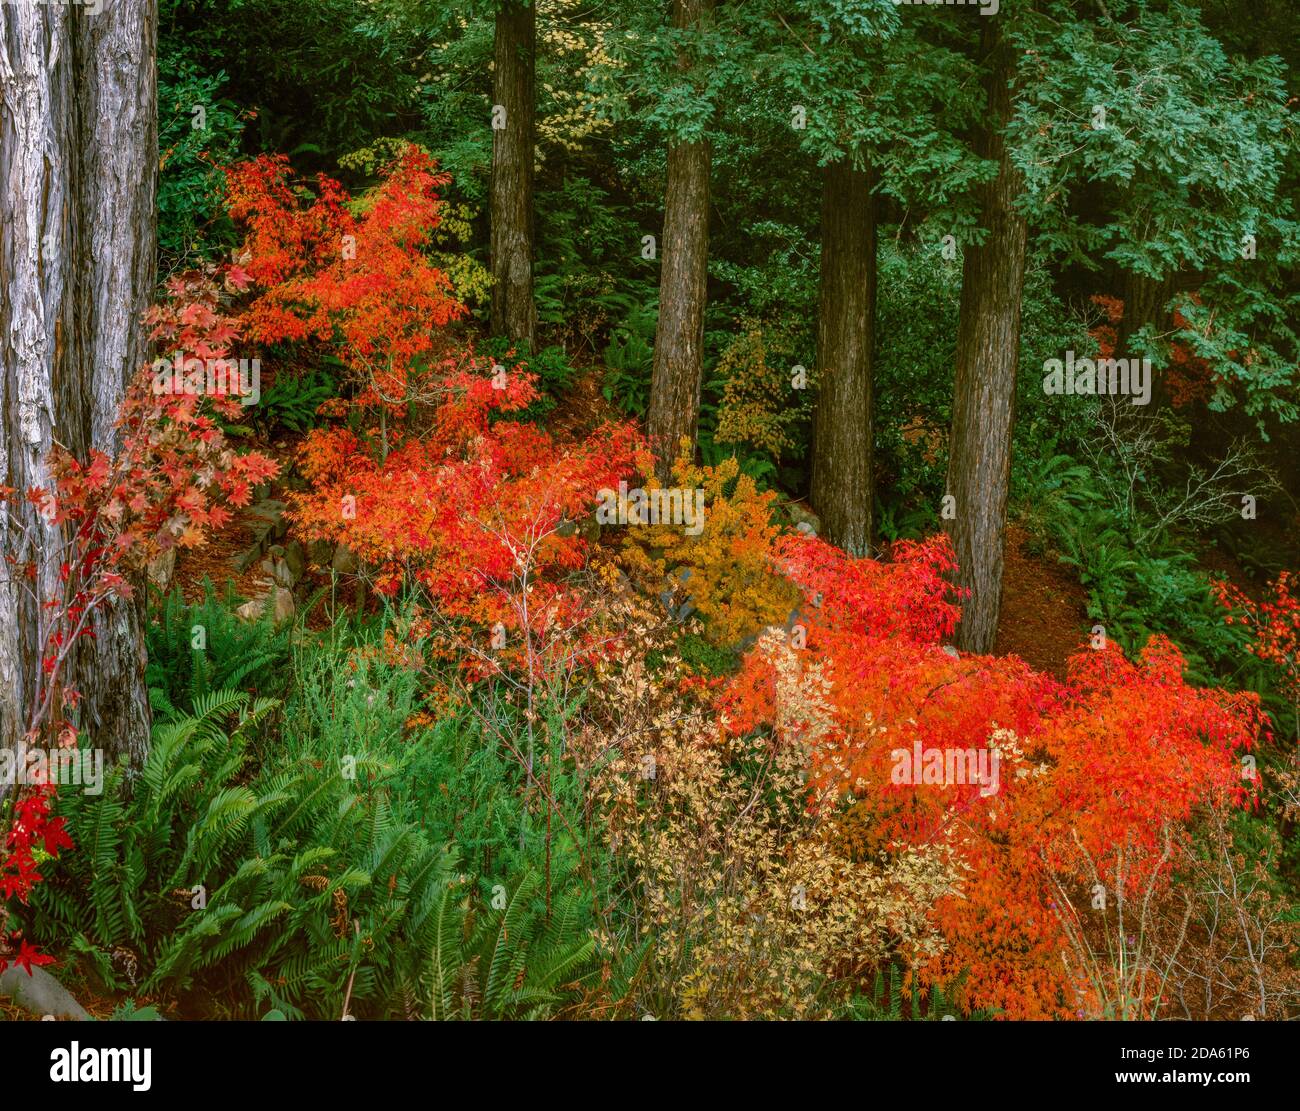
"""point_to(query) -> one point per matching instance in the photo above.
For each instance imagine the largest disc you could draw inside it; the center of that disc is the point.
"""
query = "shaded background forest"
(324, 81)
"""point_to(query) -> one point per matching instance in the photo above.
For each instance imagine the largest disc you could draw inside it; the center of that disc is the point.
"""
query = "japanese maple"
(351, 275)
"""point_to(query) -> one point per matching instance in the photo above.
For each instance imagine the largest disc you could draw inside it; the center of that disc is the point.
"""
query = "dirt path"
(1044, 616)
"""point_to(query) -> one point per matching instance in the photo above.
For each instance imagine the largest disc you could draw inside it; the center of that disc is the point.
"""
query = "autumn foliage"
(1093, 773)
(439, 490)
(354, 277)
(1078, 794)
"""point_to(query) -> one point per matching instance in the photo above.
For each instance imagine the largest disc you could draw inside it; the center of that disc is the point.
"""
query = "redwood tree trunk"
(841, 489)
(988, 350)
(78, 171)
(514, 313)
(674, 409)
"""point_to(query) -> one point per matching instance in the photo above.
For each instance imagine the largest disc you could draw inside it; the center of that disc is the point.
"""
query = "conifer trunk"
(514, 312)
(988, 350)
(78, 174)
(841, 485)
(674, 409)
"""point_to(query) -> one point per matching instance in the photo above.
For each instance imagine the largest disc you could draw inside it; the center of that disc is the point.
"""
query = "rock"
(282, 606)
(320, 553)
(161, 568)
(40, 993)
(345, 561)
(952, 651)
(278, 571)
(279, 600)
(295, 557)
(588, 528)
(803, 518)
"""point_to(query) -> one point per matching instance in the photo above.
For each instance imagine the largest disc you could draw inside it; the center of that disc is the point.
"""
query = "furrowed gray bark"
(988, 350)
(514, 312)
(674, 409)
(78, 173)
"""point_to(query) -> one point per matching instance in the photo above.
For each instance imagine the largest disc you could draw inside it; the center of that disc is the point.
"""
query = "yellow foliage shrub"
(749, 904)
(724, 572)
(759, 403)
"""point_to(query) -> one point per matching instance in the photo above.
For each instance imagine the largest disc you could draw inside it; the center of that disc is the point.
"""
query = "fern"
(234, 653)
(244, 890)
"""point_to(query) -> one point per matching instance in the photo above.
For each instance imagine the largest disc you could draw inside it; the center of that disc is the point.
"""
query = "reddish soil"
(216, 561)
(1044, 617)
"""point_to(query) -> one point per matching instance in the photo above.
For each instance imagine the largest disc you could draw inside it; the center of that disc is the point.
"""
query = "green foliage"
(324, 78)
(1194, 157)
(589, 269)
(320, 873)
(290, 402)
(629, 360)
(706, 658)
(507, 955)
(555, 374)
(1138, 582)
(236, 654)
(127, 1011)
(191, 148)
(299, 886)
(887, 999)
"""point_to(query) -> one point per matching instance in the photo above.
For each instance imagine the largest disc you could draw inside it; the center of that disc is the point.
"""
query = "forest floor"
(1044, 617)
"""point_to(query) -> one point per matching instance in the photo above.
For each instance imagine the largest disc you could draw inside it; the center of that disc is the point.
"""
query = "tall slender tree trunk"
(674, 410)
(514, 313)
(841, 488)
(78, 173)
(988, 350)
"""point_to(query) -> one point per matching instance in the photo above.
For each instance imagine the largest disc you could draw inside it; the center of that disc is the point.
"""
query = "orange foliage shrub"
(726, 572)
(1086, 776)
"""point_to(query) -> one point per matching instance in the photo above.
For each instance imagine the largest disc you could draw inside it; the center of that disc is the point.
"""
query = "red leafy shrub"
(1057, 786)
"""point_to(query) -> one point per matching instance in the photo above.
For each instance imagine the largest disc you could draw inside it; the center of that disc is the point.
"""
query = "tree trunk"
(1144, 303)
(514, 313)
(674, 410)
(841, 487)
(984, 393)
(78, 173)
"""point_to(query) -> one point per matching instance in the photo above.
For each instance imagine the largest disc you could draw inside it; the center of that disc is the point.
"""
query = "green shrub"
(307, 887)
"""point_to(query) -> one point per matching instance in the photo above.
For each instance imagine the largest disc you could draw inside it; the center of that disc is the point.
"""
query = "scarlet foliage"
(471, 510)
(1090, 772)
(1274, 626)
(354, 280)
(32, 831)
(445, 495)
